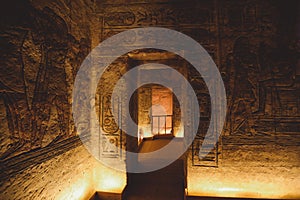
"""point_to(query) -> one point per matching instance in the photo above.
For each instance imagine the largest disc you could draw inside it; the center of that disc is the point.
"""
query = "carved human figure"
(278, 72)
(34, 81)
(245, 85)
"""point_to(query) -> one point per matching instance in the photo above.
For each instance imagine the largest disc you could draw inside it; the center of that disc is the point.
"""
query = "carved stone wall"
(254, 49)
(111, 111)
(260, 68)
(39, 60)
(254, 44)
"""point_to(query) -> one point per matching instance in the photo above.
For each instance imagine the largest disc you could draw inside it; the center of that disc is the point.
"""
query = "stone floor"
(163, 184)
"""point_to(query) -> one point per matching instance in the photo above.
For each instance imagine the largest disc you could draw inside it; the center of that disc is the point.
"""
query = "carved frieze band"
(156, 15)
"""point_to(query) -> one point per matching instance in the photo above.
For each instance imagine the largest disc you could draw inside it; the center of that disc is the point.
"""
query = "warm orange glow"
(229, 189)
(162, 101)
(108, 180)
(96, 178)
(180, 132)
(210, 182)
(81, 189)
(161, 110)
(145, 131)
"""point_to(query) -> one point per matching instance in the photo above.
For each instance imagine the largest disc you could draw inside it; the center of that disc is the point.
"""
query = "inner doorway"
(158, 108)
(161, 111)
(155, 112)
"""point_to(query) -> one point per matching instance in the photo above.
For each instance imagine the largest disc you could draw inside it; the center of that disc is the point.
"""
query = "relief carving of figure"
(278, 73)
(245, 88)
(33, 82)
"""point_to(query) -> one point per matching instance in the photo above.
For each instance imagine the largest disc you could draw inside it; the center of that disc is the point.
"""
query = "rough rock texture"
(75, 174)
(53, 178)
